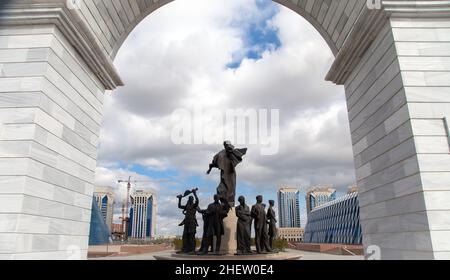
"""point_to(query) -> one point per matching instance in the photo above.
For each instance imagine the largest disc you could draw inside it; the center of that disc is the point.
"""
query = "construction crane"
(124, 221)
(125, 213)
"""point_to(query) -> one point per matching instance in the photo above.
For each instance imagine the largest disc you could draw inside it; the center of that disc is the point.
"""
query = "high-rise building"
(319, 195)
(142, 215)
(289, 207)
(99, 233)
(335, 222)
(104, 197)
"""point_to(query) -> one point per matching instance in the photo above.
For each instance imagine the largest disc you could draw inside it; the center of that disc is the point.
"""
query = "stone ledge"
(76, 30)
(366, 29)
(413, 8)
(368, 25)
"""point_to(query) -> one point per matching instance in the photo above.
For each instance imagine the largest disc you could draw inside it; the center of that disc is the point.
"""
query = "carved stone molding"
(73, 27)
(366, 29)
(369, 24)
(428, 8)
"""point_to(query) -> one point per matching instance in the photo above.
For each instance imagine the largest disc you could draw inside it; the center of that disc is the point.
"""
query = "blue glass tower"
(104, 197)
(142, 213)
(99, 233)
(289, 208)
(317, 196)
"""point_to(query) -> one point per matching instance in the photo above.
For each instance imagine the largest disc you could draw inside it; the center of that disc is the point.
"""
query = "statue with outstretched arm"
(190, 221)
(227, 160)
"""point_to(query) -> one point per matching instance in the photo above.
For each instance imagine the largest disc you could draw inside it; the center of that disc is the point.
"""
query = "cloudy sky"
(234, 54)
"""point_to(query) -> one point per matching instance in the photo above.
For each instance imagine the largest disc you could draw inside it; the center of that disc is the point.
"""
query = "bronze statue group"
(264, 224)
(213, 227)
(213, 216)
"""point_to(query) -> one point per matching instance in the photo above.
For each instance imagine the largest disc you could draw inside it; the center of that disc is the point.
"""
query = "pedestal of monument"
(282, 256)
(229, 242)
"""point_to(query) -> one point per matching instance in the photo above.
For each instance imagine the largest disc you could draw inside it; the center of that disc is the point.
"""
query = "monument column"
(50, 117)
(398, 102)
(229, 242)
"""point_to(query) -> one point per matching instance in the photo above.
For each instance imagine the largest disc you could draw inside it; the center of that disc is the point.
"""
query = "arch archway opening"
(265, 57)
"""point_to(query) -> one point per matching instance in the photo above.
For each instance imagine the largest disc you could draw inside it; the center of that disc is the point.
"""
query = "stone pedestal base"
(292, 255)
(229, 243)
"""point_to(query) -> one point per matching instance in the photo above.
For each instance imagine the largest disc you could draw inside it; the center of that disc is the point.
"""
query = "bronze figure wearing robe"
(227, 160)
(215, 214)
(258, 214)
(243, 229)
(190, 222)
(272, 222)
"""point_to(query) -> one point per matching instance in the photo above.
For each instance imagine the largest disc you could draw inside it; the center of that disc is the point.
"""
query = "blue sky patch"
(258, 35)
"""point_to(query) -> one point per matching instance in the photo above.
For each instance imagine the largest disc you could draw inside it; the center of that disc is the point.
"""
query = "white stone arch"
(56, 64)
(295, 6)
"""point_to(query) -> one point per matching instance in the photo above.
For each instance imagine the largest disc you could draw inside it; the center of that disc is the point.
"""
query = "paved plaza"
(306, 256)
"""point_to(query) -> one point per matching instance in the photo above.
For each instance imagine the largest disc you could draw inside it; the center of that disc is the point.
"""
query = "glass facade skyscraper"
(289, 208)
(99, 233)
(104, 198)
(317, 196)
(142, 215)
(335, 222)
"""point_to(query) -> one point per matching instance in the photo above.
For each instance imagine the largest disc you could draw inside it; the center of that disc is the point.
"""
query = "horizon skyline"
(118, 206)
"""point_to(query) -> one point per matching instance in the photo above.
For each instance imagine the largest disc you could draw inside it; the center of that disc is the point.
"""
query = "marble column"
(397, 99)
(50, 117)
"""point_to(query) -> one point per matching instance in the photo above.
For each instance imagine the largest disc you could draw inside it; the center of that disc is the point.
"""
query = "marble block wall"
(397, 98)
(50, 116)
(423, 49)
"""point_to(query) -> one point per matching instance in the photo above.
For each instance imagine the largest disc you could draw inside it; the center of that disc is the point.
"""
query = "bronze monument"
(215, 213)
(244, 225)
(227, 160)
(190, 221)
(272, 222)
(258, 213)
